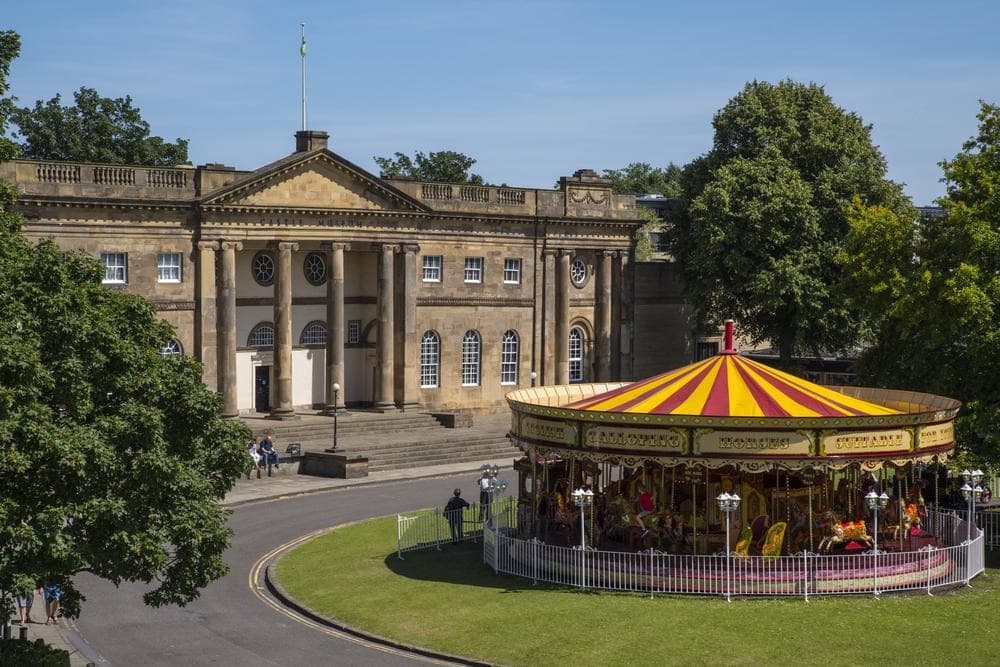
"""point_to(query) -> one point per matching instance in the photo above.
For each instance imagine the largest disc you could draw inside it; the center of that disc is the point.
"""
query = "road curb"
(348, 484)
(282, 596)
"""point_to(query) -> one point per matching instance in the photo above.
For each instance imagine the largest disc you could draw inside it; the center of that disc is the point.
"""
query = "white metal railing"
(431, 528)
(802, 574)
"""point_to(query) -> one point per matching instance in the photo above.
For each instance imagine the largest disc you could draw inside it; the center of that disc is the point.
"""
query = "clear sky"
(532, 90)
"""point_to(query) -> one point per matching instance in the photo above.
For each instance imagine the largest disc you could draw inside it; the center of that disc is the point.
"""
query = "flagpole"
(302, 52)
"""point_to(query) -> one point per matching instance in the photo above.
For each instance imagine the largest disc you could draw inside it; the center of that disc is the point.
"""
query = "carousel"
(730, 477)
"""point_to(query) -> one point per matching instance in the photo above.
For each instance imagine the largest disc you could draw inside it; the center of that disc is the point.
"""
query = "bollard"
(6, 630)
(22, 633)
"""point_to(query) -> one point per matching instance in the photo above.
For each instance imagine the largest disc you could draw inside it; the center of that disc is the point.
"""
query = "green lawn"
(448, 600)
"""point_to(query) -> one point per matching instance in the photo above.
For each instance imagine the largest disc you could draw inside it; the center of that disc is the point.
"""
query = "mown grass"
(450, 601)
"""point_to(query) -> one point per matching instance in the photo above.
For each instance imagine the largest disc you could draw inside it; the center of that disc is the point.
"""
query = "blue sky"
(532, 90)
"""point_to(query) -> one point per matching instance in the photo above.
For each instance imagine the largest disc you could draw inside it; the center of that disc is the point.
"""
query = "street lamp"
(876, 503)
(582, 498)
(493, 487)
(534, 376)
(728, 503)
(336, 392)
(972, 494)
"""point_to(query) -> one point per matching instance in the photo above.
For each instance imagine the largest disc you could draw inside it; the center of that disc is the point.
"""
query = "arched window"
(576, 355)
(470, 359)
(430, 360)
(172, 349)
(261, 336)
(509, 348)
(313, 334)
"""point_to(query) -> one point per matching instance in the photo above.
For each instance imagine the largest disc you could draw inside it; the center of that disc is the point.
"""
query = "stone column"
(627, 316)
(227, 327)
(408, 341)
(206, 316)
(603, 315)
(283, 408)
(335, 325)
(384, 390)
(547, 369)
(563, 283)
(616, 316)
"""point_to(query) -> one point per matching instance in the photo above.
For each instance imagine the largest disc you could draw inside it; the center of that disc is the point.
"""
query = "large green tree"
(436, 167)
(933, 284)
(642, 178)
(764, 216)
(112, 457)
(93, 129)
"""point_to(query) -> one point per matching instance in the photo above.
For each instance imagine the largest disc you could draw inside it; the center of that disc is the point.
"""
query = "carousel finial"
(729, 349)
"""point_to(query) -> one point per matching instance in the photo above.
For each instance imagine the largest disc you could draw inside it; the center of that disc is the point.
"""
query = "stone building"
(311, 271)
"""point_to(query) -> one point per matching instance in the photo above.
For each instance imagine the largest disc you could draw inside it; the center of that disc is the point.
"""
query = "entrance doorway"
(262, 388)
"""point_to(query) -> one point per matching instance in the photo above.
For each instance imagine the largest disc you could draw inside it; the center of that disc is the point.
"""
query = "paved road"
(229, 625)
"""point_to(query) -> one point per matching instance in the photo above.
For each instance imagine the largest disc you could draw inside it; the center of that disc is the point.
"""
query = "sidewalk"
(286, 485)
(289, 483)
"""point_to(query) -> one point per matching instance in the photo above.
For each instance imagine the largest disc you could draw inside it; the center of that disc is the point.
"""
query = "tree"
(112, 457)
(94, 129)
(764, 213)
(436, 167)
(641, 178)
(933, 286)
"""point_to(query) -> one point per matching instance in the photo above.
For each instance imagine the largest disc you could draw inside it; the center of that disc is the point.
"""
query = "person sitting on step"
(267, 451)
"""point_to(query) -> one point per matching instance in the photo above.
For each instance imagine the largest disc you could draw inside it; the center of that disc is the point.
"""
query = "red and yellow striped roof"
(729, 385)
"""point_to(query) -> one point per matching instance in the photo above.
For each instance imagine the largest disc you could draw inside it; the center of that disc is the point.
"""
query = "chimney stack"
(310, 140)
(729, 338)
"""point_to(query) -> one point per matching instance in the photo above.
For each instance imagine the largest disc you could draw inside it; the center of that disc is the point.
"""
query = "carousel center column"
(227, 327)
(283, 408)
(335, 327)
(386, 379)
(562, 317)
(604, 315)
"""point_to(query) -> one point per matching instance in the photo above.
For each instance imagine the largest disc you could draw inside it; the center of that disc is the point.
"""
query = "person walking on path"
(454, 510)
(25, 599)
(53, 593)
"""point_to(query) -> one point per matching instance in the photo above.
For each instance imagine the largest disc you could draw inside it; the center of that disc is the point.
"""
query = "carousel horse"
(564, 518)
(758, 531)
(798, 529)
(742, 548)
(841, 533)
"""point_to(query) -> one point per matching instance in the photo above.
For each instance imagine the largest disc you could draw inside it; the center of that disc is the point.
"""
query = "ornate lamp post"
(728, 504)
(582, 498)
(336, 409)
(972, 494)
(494, 486)
(876, 503)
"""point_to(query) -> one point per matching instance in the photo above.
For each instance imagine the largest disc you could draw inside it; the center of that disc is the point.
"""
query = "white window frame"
(167, 263)
(172, 349)
(430, 360)
(471, 356)
(353, 331)
(257, 331)
(510, 349)
(115, 272)
(575, 355)
(474, 270)
(512, 271)
(433, 269)
(310, 329)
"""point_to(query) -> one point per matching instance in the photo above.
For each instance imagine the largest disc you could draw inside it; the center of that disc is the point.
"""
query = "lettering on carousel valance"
(754, 443)
(867, 442)
(549, 431)
(610, 437)
(936, 435)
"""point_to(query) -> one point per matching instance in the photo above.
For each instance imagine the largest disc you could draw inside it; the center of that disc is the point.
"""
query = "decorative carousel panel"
(548, 430)
(936, 435)
(866, 443)
(659, 440)
(753, 443)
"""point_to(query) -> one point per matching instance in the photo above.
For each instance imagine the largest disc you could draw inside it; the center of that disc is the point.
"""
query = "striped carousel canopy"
(729, 385)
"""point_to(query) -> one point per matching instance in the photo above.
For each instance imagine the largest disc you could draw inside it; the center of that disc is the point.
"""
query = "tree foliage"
(934, 286)
(93, 129)
(112, 457)
(764, 215)
(436, 167)
(642, 178)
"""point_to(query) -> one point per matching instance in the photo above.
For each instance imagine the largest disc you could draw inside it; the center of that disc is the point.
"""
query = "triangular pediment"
(318, 179)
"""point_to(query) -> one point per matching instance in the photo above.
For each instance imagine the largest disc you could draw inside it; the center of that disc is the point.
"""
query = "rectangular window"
(473, 269)
(512, 271)
(706, 349)
(115, 267)
(168, 267)
(354, 331)
(432, 269)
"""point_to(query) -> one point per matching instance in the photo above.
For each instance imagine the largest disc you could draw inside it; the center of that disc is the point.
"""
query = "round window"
(315, 268)
(578, 272)
(263, 269)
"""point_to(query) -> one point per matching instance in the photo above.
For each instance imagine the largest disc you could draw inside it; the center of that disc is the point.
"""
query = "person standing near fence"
(454, 510)
(484, 495)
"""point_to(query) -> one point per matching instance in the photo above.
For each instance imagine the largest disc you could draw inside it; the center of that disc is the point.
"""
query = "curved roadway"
(228, 624)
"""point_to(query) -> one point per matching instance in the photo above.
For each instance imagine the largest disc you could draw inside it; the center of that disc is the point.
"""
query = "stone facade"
(380, 269)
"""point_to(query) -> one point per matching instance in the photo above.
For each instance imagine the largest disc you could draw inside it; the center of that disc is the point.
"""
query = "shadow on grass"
(462, 564)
